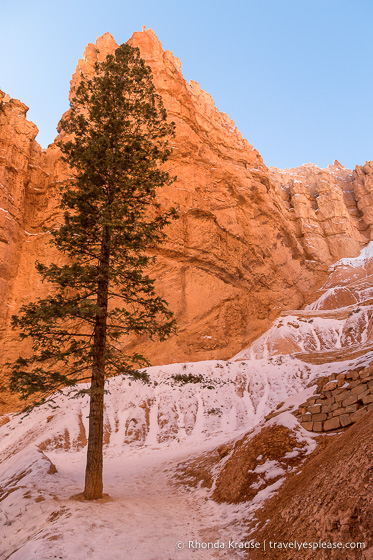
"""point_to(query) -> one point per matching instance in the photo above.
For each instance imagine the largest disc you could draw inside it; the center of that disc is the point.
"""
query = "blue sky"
(295, 76)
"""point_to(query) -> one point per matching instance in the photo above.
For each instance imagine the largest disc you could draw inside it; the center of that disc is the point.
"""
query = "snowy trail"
(145, 517)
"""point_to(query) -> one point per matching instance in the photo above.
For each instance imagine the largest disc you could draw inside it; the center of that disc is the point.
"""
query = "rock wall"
(19, 157)
(341, 400)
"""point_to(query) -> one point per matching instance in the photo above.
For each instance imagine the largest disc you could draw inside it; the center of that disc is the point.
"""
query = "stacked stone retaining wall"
(341, 400)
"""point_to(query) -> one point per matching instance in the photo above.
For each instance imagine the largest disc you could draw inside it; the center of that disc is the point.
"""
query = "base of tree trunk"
(81, 498)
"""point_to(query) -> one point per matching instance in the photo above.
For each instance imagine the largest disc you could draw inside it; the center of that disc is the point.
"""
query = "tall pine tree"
(118, 132)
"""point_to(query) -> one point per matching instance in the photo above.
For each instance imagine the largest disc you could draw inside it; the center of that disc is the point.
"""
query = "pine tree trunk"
(94, 469)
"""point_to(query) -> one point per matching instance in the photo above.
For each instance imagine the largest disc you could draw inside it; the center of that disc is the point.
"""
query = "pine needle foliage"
(116, 142)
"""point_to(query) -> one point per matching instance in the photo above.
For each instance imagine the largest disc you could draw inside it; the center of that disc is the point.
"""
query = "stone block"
(331, 400)
(342, 396)
(345, 420)
(306, 417)
(311, 401)
(307, 426)
(335, 406)
(368, 399)
(332, 424)
(319, 417)
(351, 408)
(315, 409)
(351, 400)
(370, 384)
(339, 411)
(365, 374)
(325, 409)
(354, 383)
(317, 427)
(355, 416)
(321, 382)
(359, 388)
(330, 386)
(320, 401)
(370, 407)
(363, 394)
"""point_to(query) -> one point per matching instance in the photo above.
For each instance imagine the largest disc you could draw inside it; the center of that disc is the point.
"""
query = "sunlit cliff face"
(250, 241)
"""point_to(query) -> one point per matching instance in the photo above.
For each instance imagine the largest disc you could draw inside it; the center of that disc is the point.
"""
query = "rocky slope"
(330, 501)
(250, 241)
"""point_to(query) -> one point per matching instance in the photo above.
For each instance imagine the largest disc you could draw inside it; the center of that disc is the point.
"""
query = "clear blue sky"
(295, 75)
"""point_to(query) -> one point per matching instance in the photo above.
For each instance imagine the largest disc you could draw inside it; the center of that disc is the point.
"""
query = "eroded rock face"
(328, 208)
(29, 177)
(363, 179)
(249, 242)
(18, 159)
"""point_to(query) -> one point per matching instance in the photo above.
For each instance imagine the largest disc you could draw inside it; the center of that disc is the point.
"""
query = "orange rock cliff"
(251, 241)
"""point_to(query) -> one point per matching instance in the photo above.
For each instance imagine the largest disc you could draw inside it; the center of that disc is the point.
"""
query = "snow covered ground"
(145, 516)
(149, 429)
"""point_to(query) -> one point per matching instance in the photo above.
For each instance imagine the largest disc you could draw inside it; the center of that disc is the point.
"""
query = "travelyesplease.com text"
(267, 545)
